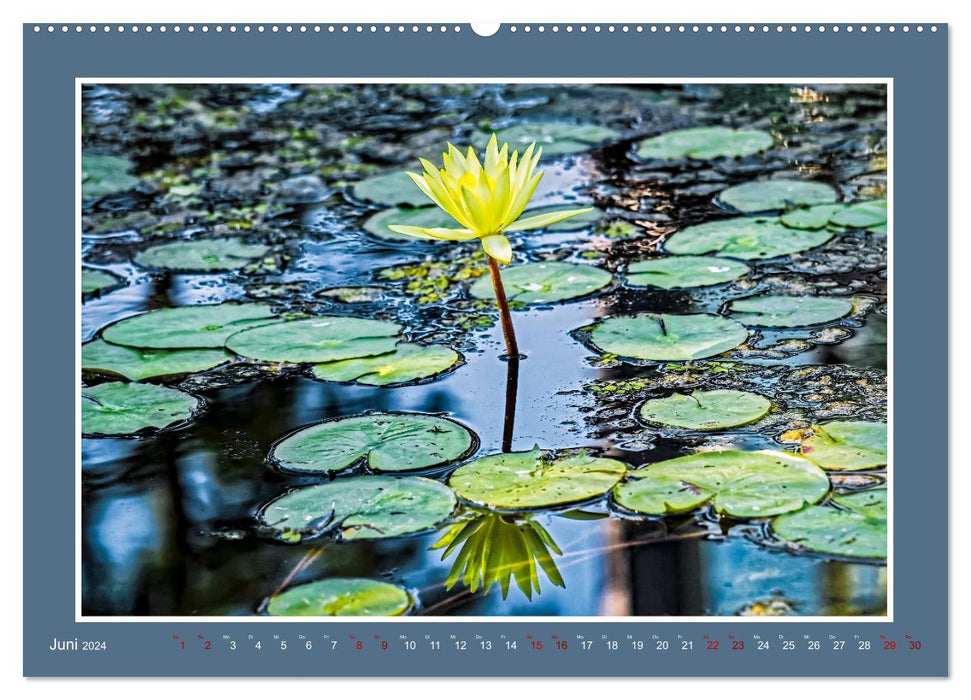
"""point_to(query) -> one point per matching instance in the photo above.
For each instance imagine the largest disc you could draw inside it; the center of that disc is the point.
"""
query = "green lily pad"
(426, 217)
(774, 195)
(95, 281)
(317, 339)
(104, 175)
(208, 255)
(535, 479)
(684, 272)
(703, 143)
(741, 484)
(406, 363)
(341, 597)
(744, 237)
(668, 337)
(811, 217)
(847, 445)
(386, 442)
(860, 531)
(788, 311)
(118, 408)
(361, 508)
(862, 215)
(137, 364)
(391, 190)
(707, 410)
(199, 326)
(556, 138)
(544, 282)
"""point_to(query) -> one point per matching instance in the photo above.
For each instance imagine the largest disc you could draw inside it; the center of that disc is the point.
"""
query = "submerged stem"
(512, 348)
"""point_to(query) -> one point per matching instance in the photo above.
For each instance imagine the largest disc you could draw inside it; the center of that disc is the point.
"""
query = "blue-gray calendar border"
(917, 62)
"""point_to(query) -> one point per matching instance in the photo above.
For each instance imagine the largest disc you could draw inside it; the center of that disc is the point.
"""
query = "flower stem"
(512, 348)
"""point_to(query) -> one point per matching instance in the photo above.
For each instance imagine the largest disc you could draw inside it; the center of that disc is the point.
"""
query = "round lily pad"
(684, 271)
(361, 507)
(535, 479)
(117, 408)
(741, 484)
(703, 143)
(744, 237)
(544, 282)
(668, 337)
(406, 363)
(556, 138)
(317, 339)
(391, 190)
(104, 175)
(96, 281)
(706, 410)
(811, 217)
(143, 363)
(788, 311)
(870, 214)
(860, 531)
(209, 255)
(199, 326)
(847, 445)
(774, 195)
(341, 597)
(386, 442)
(426, 217)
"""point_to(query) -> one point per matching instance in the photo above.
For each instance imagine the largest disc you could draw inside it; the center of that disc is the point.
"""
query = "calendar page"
(348, 361)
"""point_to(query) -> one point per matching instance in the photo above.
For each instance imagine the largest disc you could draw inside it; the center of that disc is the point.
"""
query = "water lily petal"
(498, 247)
(542, 220)
(437, 234)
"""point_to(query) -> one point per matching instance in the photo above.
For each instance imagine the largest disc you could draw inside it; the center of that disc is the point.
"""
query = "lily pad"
(137, 364)
(744, 237)
(535, 479)
(360, 508)
(684, 272)
(556, 138)
(741, 484)
(703, 143)
(425, 217)
(118, 408)
(104, 175)
(199, 326)
(391, 190)
(707, 410)
(317, 339)
(668, 337)
(544, 282)
(847, 445)
(341, 597)
(385, 442)
(860, 531)
(96, 281)
(209, 255)
(775, 195)
(406, 363)
(788, 311)
(811, 217)
(870, 214)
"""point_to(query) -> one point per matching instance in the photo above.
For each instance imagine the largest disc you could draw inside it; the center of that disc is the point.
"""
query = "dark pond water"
(169, 519)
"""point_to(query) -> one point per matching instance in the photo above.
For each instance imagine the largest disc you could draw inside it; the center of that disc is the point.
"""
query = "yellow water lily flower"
(485, 199)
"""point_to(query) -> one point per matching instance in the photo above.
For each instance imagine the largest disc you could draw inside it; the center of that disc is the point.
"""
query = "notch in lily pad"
(204, 255)
(706, 410)
(705, 143)
(122, 409)
(341, 597)
(384, 442)
(408, 362)
(667, 337)
(545, 282)
(856, 528)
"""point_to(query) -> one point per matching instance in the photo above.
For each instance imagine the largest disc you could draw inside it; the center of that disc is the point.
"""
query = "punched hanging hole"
(485, 28)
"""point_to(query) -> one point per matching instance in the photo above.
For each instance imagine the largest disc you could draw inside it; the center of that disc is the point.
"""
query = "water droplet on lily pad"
(340, 597)
(317, 339)
(515, 481)
(668, 337)
(859, 531)
(556, 138)
(741, 484)
(703, 143)
(744, 237)
(776, 195)
(198, 326)
(788, 311)
(684, 272)
(847, 445)
(706, 410)
(119, 408)
(406, 363)
(104, 175)
(360, 508)
(390, 190)
(137, 364)
(207, 255)
(383, 441)
(544, 282)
